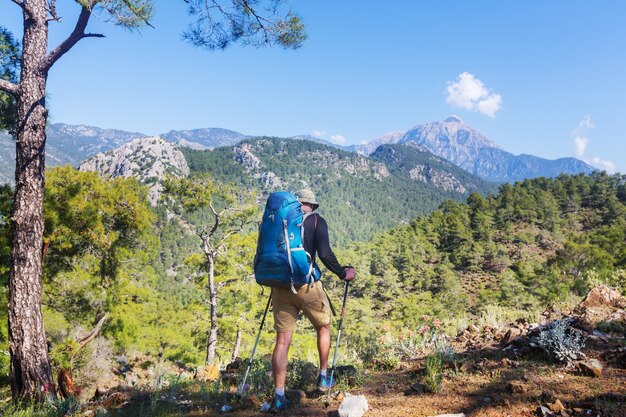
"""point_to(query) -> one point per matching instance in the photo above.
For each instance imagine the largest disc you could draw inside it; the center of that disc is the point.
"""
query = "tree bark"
(31, 377)
(212, 341)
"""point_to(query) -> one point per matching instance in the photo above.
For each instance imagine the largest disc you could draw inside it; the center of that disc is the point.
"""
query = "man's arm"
(324, 251)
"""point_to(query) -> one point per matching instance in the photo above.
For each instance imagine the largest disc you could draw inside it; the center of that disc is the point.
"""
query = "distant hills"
(361, 195)
(450, 139)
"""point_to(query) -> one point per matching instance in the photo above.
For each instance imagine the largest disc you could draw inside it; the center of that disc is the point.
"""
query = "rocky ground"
(496, 371)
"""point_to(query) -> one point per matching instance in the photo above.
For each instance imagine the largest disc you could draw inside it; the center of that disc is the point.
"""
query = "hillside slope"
(359, 196)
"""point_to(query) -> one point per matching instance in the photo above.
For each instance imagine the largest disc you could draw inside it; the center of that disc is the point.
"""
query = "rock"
(295, 395)
(556, 407)
(591, 367)
(511, 335)
(226, 409)
(353, 406)
(473, 329)
(515, 387)
(603, 296)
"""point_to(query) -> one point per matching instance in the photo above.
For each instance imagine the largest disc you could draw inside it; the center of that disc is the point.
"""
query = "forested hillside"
(359, 196)
(537, 242)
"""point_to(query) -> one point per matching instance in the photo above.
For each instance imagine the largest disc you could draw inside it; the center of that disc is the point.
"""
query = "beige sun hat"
(307, 196)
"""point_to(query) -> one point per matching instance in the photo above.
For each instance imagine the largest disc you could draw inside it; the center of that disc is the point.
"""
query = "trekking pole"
(343, 308)
(256, 342)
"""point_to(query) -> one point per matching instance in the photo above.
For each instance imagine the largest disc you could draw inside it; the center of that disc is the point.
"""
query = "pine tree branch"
(8, 87)
(75, 36)
(52, 9)
(19, 3)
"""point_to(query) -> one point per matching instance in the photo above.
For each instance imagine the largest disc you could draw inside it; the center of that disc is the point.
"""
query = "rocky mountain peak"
(147, 159)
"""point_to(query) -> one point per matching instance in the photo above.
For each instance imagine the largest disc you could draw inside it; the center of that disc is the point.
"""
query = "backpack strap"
(309, 275)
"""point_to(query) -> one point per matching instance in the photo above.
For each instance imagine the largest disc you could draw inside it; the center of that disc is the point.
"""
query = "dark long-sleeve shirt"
(316, 243)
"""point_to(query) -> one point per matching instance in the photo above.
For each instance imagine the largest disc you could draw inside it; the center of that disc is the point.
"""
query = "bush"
(259, 380)
(301, 375)
(563, 343)
(377, 352)
(434, 372)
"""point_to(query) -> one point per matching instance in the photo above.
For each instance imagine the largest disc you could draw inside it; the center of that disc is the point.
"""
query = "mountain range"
(473, 151)
(362, 195)
(450, 139)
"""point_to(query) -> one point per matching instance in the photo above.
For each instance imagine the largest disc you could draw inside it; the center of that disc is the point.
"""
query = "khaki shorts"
(312, 301)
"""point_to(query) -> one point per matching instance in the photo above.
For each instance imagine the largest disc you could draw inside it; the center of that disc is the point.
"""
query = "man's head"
(307, 198)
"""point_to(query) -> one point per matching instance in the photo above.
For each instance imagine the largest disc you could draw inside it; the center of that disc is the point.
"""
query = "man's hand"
(349, 274)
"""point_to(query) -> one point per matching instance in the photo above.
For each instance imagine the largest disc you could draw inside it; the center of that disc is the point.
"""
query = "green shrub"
(301, 375)
(434, 372)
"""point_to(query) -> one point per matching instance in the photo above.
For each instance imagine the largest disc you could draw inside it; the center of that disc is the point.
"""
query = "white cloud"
(318, 133)
(585, 124)
(581, 145)
(581, 141)
(338, 139)
(603, 164)
(470, 93)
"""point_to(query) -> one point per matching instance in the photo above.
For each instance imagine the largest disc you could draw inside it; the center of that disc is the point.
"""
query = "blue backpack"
(281, 260)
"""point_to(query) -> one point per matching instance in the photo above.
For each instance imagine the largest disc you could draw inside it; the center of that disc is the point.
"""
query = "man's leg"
(323, 345)
(279, 358)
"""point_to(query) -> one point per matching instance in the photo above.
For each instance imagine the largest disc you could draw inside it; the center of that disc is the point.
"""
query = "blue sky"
(538, 77)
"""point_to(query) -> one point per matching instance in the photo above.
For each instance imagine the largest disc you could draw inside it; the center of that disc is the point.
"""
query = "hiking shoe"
(325, 382)
(279, 404)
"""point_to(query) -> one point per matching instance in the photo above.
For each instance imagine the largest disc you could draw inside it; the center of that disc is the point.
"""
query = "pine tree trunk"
(237, 344)
(212, 340)
(31, 378)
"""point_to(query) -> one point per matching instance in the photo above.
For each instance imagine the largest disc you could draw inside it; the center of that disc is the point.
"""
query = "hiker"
(312, 300)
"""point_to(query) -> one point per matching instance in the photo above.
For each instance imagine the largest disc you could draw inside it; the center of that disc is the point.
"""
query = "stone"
(511, 335)
(591, 367)
(473, 329)
(353, 406)
(556, 407)
(603, 296)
